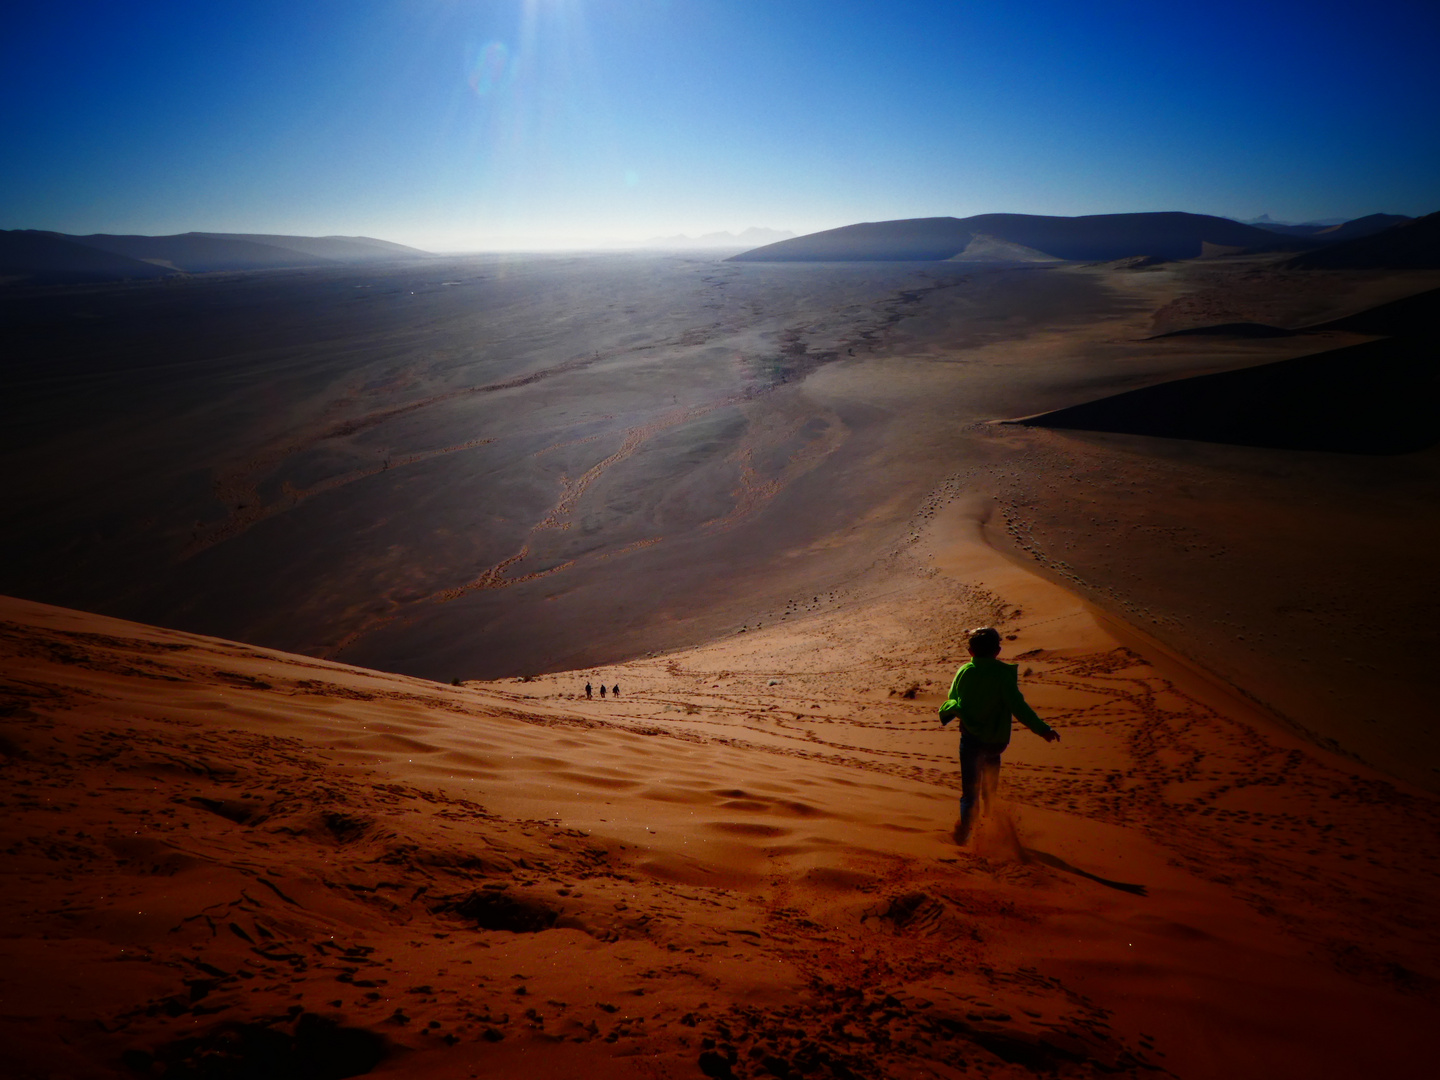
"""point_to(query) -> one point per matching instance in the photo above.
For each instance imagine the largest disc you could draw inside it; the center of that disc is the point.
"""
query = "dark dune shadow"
(1375, 398)
(1412, 316)
(1235, 329)
(57, 259)
(1046, 859)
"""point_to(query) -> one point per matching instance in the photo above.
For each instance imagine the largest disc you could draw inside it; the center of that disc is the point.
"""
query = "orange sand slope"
(219, 854)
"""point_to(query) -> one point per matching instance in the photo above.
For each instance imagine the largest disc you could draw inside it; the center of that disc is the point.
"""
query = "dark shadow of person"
(1045, 858)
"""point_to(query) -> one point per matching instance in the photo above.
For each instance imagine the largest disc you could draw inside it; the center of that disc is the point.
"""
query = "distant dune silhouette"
(917, 239)
(59, 258)
(197, 253)
(1349, 230)
(1411, 245)
(1096, 237)
(27, 253)
(333, 248)
(1380, 397)
(1365, 226)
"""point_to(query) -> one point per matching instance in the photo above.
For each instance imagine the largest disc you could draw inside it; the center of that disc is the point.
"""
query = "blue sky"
(499, 123)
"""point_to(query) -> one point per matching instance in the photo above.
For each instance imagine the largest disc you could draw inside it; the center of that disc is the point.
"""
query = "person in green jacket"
(985, 694)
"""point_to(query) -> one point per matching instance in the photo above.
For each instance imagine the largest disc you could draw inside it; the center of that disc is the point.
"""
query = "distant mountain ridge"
(1090, 238)
(49, 257)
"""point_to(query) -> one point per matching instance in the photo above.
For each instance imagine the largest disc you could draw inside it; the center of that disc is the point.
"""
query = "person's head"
(984, 642)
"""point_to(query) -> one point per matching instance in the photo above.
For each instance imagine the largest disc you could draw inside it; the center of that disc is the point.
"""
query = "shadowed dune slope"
(912, 239)
(1093, 237)
(197, 253)
(984, 248)
(336, 248)
(56, 258)
(1230, 329)
(1375, 398)
(30, 253)
(1412, 316)
(1365, 226)
(1414, 245)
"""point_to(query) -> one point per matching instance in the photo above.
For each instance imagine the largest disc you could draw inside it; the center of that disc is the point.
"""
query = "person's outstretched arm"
(1023, 712)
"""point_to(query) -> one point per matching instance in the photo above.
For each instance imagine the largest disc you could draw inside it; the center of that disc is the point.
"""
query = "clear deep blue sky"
(455, 125)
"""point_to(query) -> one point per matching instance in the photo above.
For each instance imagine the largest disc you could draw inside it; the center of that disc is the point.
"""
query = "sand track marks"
(1328, 857)
(792, 436)
(572, 489)
(251, 508)
(238, 488)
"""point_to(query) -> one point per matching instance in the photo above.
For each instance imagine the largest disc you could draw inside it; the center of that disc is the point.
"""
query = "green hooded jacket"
(985, 694)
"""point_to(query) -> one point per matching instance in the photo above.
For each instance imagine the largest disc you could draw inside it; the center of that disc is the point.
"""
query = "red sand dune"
(741, 867)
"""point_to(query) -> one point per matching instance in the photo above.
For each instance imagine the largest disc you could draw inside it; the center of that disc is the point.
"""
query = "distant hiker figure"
(616, 690)
(602, 689)
(589, 690)
(985, 694)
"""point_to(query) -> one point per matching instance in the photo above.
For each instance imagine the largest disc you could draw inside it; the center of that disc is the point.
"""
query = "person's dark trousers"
(979, 774)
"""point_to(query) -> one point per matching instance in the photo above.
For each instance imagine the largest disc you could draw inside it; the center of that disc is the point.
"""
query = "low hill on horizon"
(197, 253)
(1094, 237)
(41, 257)
(335, 248)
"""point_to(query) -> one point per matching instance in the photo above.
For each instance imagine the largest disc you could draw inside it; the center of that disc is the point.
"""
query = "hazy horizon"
(677, 244)
(530, 124)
